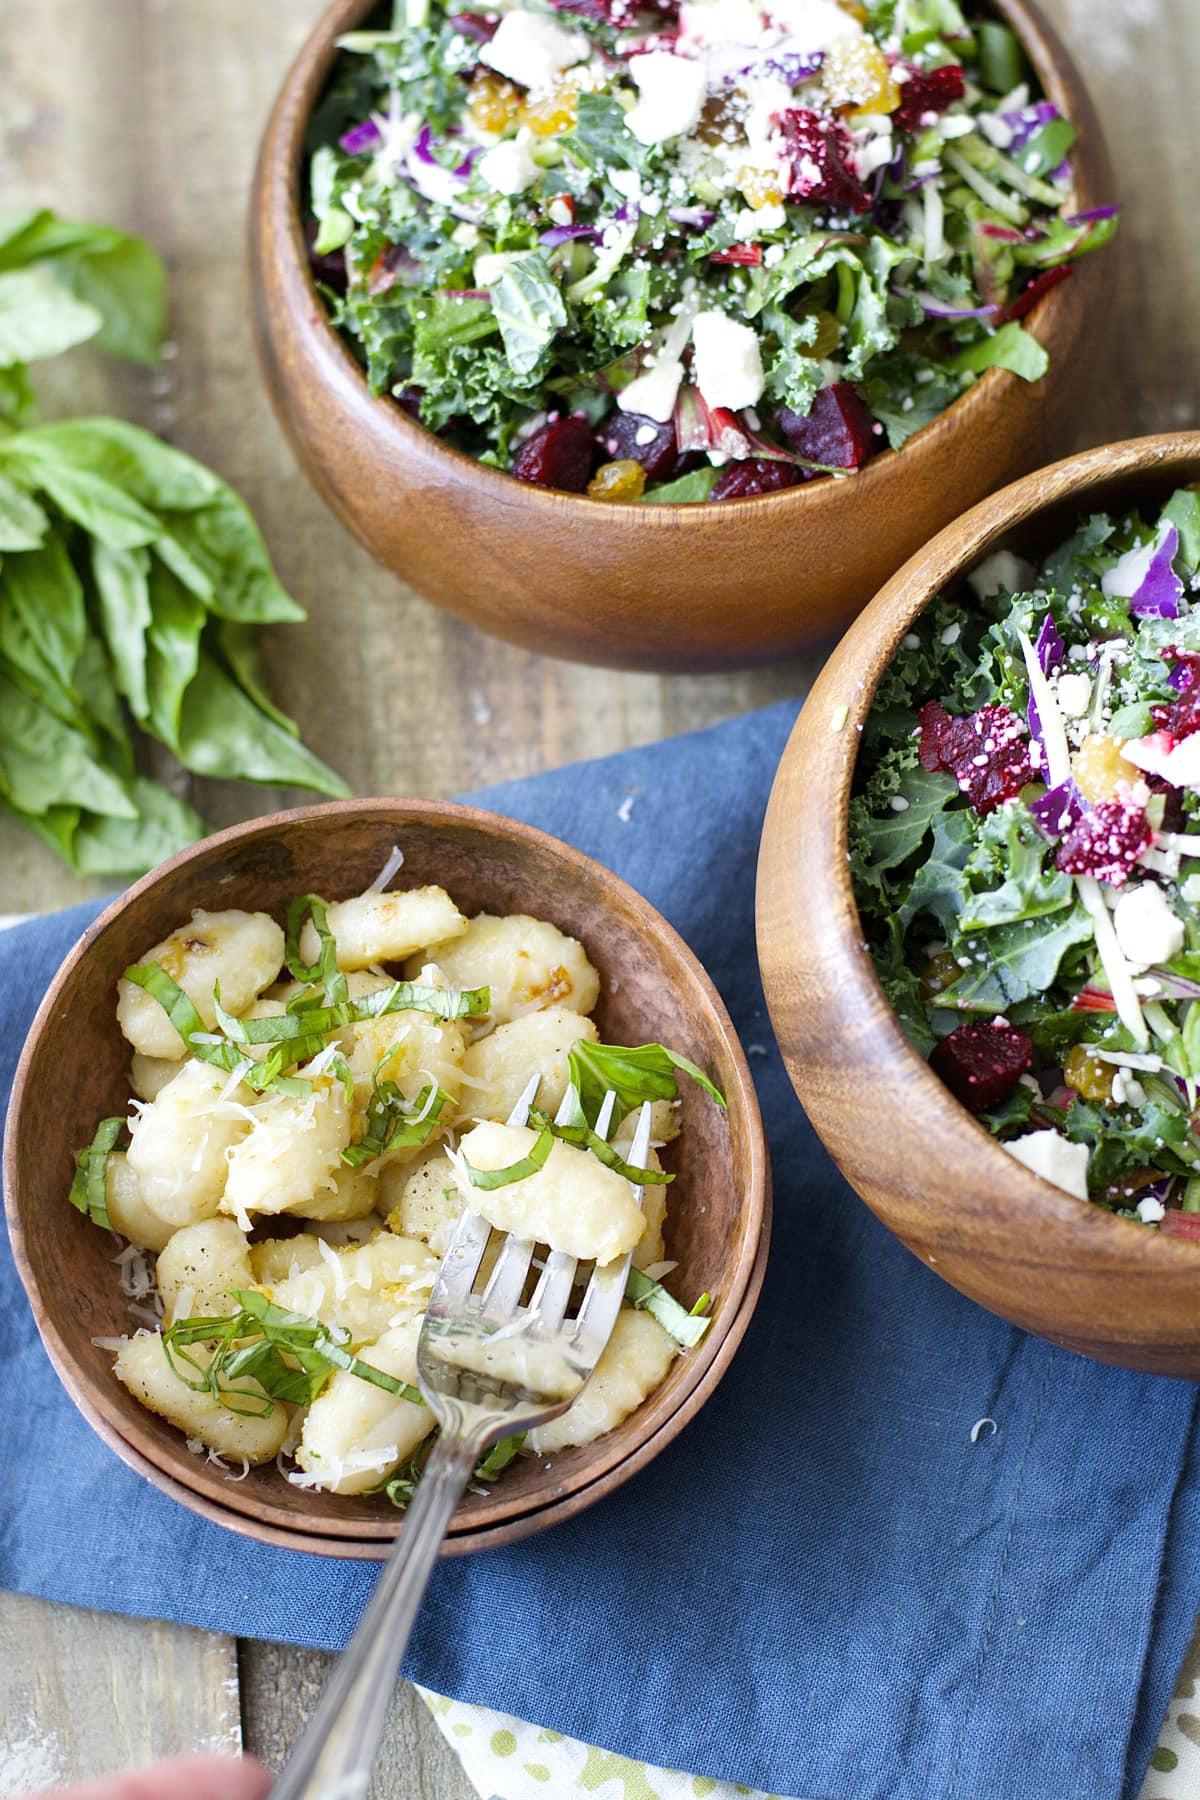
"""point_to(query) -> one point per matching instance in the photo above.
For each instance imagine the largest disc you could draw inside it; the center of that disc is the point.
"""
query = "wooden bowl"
(1026, 1250)
(652, 988)
(642, 587)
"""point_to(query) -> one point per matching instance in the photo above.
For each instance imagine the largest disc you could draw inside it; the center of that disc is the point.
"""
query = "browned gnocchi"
(313, 1103)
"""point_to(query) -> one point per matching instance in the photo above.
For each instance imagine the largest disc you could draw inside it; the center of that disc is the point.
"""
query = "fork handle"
(336, 1752)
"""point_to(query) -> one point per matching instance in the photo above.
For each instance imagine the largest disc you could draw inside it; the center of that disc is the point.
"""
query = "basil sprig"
(289, 1356)
(633, 1073)
(89, 1192)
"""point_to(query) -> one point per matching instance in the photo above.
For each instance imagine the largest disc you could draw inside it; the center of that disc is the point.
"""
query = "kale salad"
(1025, 847)
(682, 250)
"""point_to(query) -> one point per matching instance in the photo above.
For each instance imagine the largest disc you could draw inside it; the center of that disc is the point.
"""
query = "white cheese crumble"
(653, 393)
(813, 25)
(1150, 1210)
(672, 92)
(1054, 1159)
(1074, 693)
(729, 369)
(1147, 929)
(508, 168)
(531, 50)
(1001, 570)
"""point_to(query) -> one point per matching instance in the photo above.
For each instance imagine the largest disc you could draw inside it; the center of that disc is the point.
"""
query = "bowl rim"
(281, 190)
(939, 565)
(502, 1520)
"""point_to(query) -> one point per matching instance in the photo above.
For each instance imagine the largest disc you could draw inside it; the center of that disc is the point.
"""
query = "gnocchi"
(362, 1130)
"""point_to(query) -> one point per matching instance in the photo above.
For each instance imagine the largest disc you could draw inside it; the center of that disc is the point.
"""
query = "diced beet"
(479, 26)
(756, 475)
(1041, 284)
(1105, 842)
(816, 153)
(408, 399)
(1180, 1224)
(558, 455)
(987, 753)
(658, 455)
(928, 91)
(837, 429)
(981, 1062)
(741, 256)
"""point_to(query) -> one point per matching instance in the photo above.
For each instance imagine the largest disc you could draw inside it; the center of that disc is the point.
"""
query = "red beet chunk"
(558, 455)
(658, 455)
(742, 256)
(817, 152)
(756, 475)
(987, 753)
(1180, 1224)
(928, 92)
(837, 429)
(1105, 842)
(479, 26)
(328, 266)
(981, 1062)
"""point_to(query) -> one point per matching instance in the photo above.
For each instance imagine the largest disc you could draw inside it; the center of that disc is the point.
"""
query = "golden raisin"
(551, 112)
(856, 75)
(759, 187)
(624, 480)
(1087, 1075)
(1099, 768)
(829, 334)
(493, 102)
(718, 120)
(855, 10)
(941, 972)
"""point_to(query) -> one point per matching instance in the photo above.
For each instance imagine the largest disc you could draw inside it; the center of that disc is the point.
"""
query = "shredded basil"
(89, 1190)
(394, 1123)
(260, 1076)
(325, 969)
(517, 1171)
(584, 1138)
(685, 1327)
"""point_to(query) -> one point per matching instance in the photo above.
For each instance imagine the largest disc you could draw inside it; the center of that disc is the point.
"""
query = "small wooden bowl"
(652, 988)
(642, 587)
(1023, 1248)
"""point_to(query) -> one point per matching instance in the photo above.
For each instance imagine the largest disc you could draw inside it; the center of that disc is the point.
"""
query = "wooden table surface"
(146, 113)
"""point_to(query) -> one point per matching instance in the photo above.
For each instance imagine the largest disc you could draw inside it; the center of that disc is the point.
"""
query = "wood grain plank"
(84, 1692)
(281, 1687)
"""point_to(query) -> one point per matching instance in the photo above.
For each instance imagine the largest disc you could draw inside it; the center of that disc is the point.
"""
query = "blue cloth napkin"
(824, 1587)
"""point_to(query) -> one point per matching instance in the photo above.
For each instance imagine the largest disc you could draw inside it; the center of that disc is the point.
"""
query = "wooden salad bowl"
(652, 989)
(697, 587)
(1026, 1250)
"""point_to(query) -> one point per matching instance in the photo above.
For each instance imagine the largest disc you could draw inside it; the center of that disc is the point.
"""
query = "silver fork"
(487, 1367)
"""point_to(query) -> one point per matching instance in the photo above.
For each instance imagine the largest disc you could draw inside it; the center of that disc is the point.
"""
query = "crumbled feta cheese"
(1147, 929)
(813, 25)
(531, 50)
(729, 369)
(995, 130)
(672, 91)
(751, 222)
(1150, 1210)
(721, 22)
(950, 634)
(653, 393)
(561, 211)
(1190, 890)
(645, 434)
(1000, 572)
(626, 181)
(508, 168)
(1049, 1155)
(1074, 694)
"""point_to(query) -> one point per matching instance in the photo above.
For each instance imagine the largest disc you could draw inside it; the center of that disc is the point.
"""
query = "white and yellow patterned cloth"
(505, 1759)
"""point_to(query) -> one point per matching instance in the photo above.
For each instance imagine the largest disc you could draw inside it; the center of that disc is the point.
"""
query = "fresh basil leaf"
(45, 763)
(18, 401)
(106, 512)
(101, 707)
(1012, 347)
(529, 310)
(122, 591)
(239, 652)
(222, 732)
(633, 1074)
(44, 591)
(685, 1327)
(39, 319)
(88, 1191)
(125, 282)
(488, 1179)
(223, 541)
(23, 524)
(156, 475)
(173, 656)
(107, 847)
